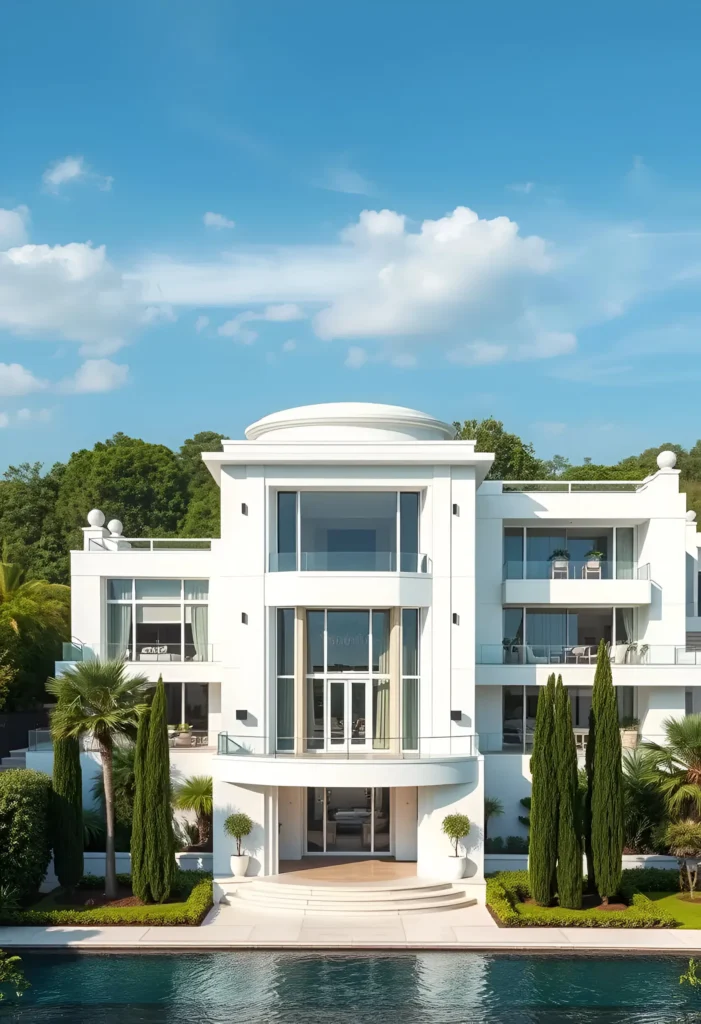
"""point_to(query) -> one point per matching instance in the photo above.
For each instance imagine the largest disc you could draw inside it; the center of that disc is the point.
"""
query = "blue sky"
(211, 211)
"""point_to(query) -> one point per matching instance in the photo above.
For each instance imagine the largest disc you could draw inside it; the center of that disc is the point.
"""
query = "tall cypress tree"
(138, 829)
(159, 847)
(569, 851)
(67, 807)
(605, 781)
(542, 851)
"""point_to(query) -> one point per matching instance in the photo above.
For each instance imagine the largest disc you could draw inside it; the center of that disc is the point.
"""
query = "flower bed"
(507, 891)
(193, 890)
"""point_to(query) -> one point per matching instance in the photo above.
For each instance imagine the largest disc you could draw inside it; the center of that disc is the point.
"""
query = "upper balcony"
(566, 565)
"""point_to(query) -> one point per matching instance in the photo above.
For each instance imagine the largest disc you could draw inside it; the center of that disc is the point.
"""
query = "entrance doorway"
(348, 820)
(349, 714)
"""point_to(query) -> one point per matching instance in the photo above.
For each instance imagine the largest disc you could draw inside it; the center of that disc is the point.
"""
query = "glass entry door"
(349, 709)
(348, 820)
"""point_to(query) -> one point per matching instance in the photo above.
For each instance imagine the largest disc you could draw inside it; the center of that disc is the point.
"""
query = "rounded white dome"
(350, 421)
(690, 516)
(115, 527)
(667, 460)
(96, 518)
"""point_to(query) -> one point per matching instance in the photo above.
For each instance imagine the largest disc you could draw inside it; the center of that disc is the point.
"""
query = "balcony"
(350, 561)
(179, 739)
(584, 583)
(165, 653)
(434, 761)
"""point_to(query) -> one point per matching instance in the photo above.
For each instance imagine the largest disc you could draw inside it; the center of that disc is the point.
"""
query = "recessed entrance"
(348, 820)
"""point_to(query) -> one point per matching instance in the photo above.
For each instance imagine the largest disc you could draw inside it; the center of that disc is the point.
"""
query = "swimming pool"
(291, 988)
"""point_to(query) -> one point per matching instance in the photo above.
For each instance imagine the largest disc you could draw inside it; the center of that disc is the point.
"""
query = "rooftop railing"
(354, 748)
(636, 653)
(149, 544)
(571, 486)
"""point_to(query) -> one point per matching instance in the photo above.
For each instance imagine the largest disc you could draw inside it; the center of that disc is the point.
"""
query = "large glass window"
(410, 679)
(348, 641)
(187, 708)
(285, 692)
(158, 620)
(513, 553)
(540, 635)
(577, 552)
(348, 820)
(520, 704)
(348, 531)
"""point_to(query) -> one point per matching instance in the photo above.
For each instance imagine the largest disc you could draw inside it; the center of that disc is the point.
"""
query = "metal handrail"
(568, 486)
(149, 543)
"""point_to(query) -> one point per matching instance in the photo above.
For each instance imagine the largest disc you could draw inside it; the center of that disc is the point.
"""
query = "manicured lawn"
(688, 914)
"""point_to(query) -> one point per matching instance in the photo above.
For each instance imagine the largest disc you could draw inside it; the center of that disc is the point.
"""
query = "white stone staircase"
(402, 896)
(16, 759)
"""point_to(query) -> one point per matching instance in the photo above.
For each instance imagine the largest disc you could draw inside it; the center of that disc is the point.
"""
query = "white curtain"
(624, 552)
(200, 631)
(380, 692)
(285, 714)
(410, 714)
(118, 630)
(627, 620)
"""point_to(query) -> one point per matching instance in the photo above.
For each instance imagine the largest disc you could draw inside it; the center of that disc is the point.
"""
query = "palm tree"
(195, 794)
(30, 604)
(98, 698)
(644, 811)
(676, 767)
(493, 808)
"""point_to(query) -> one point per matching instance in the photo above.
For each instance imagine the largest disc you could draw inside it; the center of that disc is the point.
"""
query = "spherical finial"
(115, 527)
(690, 516)
(666, 460)
(96, 518)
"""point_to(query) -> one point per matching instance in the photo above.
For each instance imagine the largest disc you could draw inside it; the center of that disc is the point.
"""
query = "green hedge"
(25, 831)
(509, 888)
(193, 887)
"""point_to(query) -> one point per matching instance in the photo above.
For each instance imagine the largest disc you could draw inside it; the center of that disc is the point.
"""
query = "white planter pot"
(239, 865)
(455, 868)
(629, 738)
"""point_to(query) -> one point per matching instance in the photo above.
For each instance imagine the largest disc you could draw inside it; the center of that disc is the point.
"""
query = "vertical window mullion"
(182, 703)
(398, 540)
(298, 530)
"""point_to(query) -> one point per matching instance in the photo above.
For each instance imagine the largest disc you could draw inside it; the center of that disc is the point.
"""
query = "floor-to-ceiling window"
(348, 820)
(285, 683)
(158, 620)
(564, 635)
(573, 552)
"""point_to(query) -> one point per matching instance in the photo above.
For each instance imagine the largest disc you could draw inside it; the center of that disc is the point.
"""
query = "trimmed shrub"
(138, 829)
(67, 812)
(544, 799)
(569, 851)
(25, 829)
(507, 889)
(194, 888)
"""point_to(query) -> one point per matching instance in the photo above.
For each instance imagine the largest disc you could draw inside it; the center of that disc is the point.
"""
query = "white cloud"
(24, 416)
(70, 170)
(236, 328)
(104, 347)
(525, 187)
(356, 357)
(70, 292)
(290, 345)
(344, 179)
(95, 376)
(201, 323)
(477, 353)
(283, 313)
(4, 419)
(217, 220)
(13, 226)
(403, 360)
(16, 380)
(159, 314)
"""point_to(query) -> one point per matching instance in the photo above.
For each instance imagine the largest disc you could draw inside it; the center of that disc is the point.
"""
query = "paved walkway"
(233, 927)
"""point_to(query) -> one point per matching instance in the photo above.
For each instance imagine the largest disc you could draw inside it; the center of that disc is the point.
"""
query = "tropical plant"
(159, 846)
(525, 819)
(605, 782)
(238, 826)
(11, 975)
(94, 829)
(676, 766)
(9, 899)
(124, 787)
(644, 810)
(684, 841)
(493, 808)
(100, 699)
(456, 827)
(569, 852)
(67, 812)
(544, 800)
(195, 794)
(559, 553)
(25, 829)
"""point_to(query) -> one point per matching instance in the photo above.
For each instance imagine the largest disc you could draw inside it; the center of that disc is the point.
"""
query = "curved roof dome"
(350, 421)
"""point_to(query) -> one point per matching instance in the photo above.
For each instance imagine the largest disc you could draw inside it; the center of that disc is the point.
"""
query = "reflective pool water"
(292, 988)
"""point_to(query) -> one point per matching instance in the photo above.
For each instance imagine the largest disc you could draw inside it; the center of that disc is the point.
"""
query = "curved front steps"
(351, 899)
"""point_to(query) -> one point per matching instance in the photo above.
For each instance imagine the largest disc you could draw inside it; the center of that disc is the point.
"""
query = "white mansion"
(360, 652)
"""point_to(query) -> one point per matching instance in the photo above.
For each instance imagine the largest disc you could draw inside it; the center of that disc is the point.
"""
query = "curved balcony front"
(437, 761)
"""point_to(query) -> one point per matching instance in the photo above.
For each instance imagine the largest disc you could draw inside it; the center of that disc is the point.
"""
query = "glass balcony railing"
(635, 653)
(402, 747)
(569, 569)
(138, 652)
(350, 561)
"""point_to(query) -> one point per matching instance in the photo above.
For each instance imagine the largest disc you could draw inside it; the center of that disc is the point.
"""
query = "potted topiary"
(456, 827)
(238, 826)
(629, 732)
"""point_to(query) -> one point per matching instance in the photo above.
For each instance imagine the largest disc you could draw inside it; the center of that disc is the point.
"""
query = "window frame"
(182, 602)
